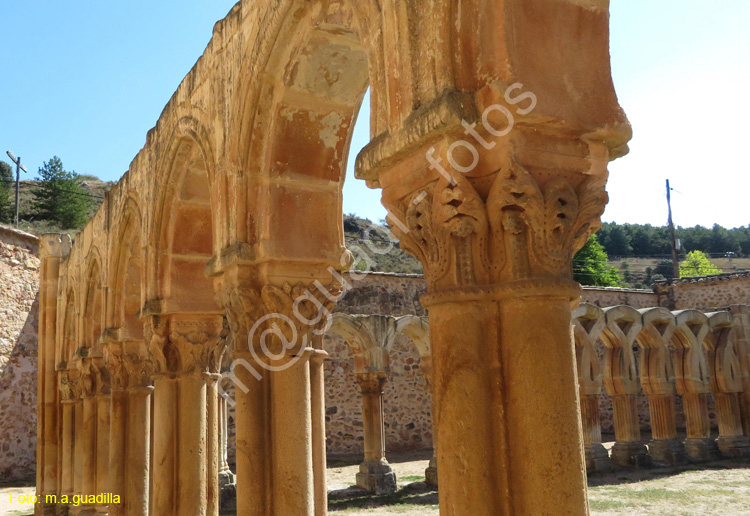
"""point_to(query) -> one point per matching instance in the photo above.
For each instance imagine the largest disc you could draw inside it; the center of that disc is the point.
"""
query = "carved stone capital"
(184, 343)
(372, 383)
(70, 388)
(278, 320)
(482, 228)
(129, 364)
(94, 376)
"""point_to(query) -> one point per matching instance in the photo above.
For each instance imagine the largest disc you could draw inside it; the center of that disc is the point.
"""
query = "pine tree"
(59, 196)
(6, 186)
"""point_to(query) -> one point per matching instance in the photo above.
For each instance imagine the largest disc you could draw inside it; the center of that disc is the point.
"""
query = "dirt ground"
(719, 488)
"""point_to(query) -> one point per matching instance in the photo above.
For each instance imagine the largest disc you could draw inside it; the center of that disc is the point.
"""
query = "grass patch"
(412, 478)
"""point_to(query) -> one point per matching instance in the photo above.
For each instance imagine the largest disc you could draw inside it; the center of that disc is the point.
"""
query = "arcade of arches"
(492, 124)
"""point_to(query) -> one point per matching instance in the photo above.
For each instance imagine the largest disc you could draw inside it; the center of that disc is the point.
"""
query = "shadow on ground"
(629, 476)
(416, 493)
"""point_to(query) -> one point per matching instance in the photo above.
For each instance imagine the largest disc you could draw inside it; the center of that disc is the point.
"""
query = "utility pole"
(19, 167)
(675, 264)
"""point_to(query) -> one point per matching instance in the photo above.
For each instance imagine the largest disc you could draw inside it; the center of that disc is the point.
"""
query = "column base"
(226, 478)
(62, 509)
(702, 449)
(736, 446)
(597, 458)
(228, 497)
(631, 454)
(431, 473)
(667, 451)
(377, 477)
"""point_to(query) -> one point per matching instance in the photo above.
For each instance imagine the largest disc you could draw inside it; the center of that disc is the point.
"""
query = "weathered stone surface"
(19, 285)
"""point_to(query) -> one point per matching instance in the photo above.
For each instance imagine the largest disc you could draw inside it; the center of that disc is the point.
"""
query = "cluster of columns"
(661, 354)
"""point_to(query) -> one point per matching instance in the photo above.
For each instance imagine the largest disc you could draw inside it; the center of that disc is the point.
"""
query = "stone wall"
(610, 296)
(706, 292)
(19, 286)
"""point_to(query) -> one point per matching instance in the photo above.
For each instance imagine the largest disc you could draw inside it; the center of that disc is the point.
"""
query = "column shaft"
(597, 458)
(628, 449)
(164, 502)
(67, 448)
(118, 450)
(253, 443)
(732, 442)
(292, 440)
(212, 447)
(102, 448)
(698, 444)
(136, 492)
(191, 445)
(318, 407)
(664, 446)
(543, 425)
(88, 442)
(78, 432)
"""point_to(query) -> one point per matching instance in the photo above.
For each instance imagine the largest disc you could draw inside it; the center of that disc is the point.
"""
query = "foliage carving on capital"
(517, 230)
(70, 388)
(372, 383)
(183, 344)
(288, 314)
(94, 377)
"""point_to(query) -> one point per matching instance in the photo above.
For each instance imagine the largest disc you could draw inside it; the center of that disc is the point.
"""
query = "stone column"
(694, 382)
(698, 443)
(588, 323)
(417, 329)
(181, 346)
(88, 443)
(129, 426)
(318, 412)
(726, 384)
(52, 248)
(78, 445)
(375, 474)
(741, 325)
(225, 473)
(272, 330)
(68, 395)
(212, 446)
(623, 324)
(658, 383)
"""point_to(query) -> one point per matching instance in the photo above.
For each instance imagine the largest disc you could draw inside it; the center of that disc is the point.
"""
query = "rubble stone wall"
(19, 287)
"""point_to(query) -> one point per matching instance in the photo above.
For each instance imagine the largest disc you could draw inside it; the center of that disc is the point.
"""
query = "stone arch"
(183, 226)
(656, 367)
(623, 323)
(126, 275)
(588, 324)
(69, 327)
(313, 88)
(370, 338)
(691, 363)
(726, 374)
(417, 329)
(94, 307)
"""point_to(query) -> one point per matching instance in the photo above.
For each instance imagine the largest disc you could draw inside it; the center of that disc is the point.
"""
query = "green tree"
(591, 266)
(60, 197)
(6, 186)
(697, 264)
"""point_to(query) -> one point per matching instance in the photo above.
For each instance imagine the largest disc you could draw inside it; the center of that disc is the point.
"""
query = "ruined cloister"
(221, 253)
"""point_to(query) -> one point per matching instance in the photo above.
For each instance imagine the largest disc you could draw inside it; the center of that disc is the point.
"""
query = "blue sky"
(86, 80)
